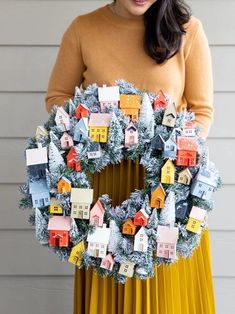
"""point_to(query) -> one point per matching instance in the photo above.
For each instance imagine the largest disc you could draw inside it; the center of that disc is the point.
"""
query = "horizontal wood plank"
(224, 295)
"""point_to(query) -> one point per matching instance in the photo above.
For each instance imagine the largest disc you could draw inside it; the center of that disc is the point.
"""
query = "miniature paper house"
(82, 111)
(81, 200)
(160, 101)
(94, 150)
(189, 128)
(166, 244)
(170, 148)
(66, 141)
(196, 217)
(185, 176)
(55, 206)
(37, 162)
(168, 172)
(181, 209)
(97, 214)
(98, 242)
(158, 197)
(64, 185)
(40, 132)
(76, 254)
(130, 105)
(81, 130)
(108, 97)
(131, 135)
(128, 227)
(107, 262)
(141, 241)
(141, 218)
(62, 119)
(72, 161)
(127, 269)
(187, 151)
(158, 142)
(204, 184)
(40, 193)
(59, 227)
(99, 126)
(169, 117)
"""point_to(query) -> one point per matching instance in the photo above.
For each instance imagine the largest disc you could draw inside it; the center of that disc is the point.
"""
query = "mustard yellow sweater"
(101, 47)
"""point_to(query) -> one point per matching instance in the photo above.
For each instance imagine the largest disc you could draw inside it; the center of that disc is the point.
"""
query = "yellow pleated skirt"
(186, 287)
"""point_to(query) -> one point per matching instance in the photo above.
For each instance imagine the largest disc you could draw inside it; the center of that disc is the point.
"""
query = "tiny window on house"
(80, 206)
(75, 206)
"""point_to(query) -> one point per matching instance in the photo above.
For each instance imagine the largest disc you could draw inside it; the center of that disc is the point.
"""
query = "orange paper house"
(130, 105)
(128, 227)
(72, 162)
(158, 197)
(64, 185)
(187, 151)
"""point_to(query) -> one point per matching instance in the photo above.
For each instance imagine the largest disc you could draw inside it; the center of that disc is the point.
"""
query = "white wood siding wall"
(32, 280)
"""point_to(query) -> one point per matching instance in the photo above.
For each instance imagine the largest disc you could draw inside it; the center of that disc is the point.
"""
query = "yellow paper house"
(55, 206)
(130, 105)
(196, 217)
(99, 126)
(168, 172)
(41, 131)
(76, 254)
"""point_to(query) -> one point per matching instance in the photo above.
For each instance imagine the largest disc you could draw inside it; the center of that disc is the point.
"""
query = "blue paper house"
(81, 130)
(204, 184)
(170, 149)
(94, 150)
(157, 142)
(181, 209)
(37, 162)
(40, 193)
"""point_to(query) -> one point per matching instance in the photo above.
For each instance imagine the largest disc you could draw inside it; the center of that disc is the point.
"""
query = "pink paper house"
(62, 119)
(97, 214)
(189, 128)
(109, 96)
(107, 262)
(59, 227)
(131, 135)
(166, 244)
(66, 141)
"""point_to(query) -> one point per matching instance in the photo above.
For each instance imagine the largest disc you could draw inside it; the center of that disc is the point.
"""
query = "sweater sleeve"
(68, 69)
(198, 90)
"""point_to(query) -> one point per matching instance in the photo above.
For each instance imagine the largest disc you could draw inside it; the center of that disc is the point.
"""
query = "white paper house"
(108, 96)
(141, 241)
(36, 156)
(98, 242)
(62, 119)
(81, 200)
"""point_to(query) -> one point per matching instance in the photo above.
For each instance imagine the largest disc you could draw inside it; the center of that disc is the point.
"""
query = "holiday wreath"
(156, 225)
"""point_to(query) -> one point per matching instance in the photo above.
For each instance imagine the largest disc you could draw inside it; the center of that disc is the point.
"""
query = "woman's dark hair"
(164, 28)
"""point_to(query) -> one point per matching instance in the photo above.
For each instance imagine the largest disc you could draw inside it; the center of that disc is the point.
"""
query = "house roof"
(168, 162)
(81, 195)
(109, 258)
(82, 124)
(65, 134)
(197, 213)
(167, 234)
(189, 125)
(129, 222)
(186, 172)
(206, 176)
(170, 110)
(65, 179)
(82, 106)
(141, 231)
(60, 111)
(110, 93)
(130, 101)
(143, 212)
(154, 190)
(187, 143)
(35, 156)
(131, 126)
(98, 206)
(55, 201)
(100, 119)
(41, 130)
(100, 235)
(38, 186)
(59, 223)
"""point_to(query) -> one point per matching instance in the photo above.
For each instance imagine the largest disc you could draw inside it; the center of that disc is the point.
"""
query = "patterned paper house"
(141, 218)
(158, 197)
(169, 117)
(128, 227)
(158, 142)
(72, 160)
(37, 162)
(81, 200)
(160, 101)
(196, 217)
(40, 193)
(59, 227)
(97, 214)
(130, 105)
(76, 254)
(189, 129)
(170, 148)
(204, 184)
(107, 262)
(62, 119)
(41, 132)
(55, 206)
(187, 151)
(66, 141)
(185, 176)
(82, 111)
(166, 244)
(127, 269)
(98, 242)
(141, 241)
(168, 173)
(181, 209)
(94, 150)
(99, 126)
(108, 97)
(131, 135)
(64, 185)
(81, 130)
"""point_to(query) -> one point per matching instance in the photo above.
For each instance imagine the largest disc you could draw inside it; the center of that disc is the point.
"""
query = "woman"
(155, 45)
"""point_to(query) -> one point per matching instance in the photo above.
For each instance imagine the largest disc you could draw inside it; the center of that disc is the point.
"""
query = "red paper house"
(160, 101)
(59, 227)
(141, 218)
(187, 151)
(72, 162)
(82, 111)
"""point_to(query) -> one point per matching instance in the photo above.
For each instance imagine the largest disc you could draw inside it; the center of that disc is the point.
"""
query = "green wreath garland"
(156, 225)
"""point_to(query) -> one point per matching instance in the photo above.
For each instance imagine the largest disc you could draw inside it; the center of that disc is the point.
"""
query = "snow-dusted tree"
(55, 139)
(77, 96)
(147, 115)
(115, 236)
(41, 232)
(153, 220)
(115, 139)
(74, 234)
(167, 215)
(71, 107)
(55, 158)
